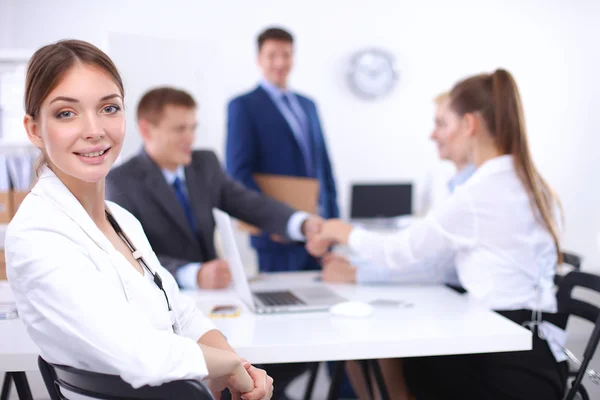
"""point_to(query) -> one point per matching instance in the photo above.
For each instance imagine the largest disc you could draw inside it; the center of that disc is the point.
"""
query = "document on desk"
(8, 311)
(297, 192)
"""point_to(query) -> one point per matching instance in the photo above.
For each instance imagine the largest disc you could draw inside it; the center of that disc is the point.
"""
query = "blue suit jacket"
(259, 140)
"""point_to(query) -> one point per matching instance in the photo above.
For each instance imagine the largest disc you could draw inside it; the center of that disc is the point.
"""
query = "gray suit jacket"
(140, 187)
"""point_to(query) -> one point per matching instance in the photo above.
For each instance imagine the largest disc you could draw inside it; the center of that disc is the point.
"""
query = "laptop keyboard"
(284, 298)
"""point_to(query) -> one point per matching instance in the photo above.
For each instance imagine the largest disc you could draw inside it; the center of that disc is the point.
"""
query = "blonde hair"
(441, 98)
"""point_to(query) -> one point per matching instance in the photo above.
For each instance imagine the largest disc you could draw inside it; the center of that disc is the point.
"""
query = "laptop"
(315, 297)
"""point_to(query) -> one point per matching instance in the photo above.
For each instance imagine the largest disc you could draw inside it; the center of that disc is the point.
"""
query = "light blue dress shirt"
(368, 274)
(461, 177)
(187, 275)
(287, 103)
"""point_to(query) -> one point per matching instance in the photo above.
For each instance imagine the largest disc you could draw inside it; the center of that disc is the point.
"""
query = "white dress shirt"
(431, 187)
(85, 305)
(187, 275)
(440, 266)
(503, 254)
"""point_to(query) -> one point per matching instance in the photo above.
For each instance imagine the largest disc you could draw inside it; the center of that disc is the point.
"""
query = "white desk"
(441, 322)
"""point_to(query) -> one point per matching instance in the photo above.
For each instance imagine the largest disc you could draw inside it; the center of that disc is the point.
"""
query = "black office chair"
(570, 259)
(21, 384)
(313, 370)
(112, 387)
(567, 304)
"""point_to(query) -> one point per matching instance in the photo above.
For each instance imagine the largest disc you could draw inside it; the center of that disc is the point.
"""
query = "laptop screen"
(381, 200)
(232, 254)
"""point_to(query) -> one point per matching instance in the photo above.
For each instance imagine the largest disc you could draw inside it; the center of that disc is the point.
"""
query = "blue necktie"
(303, 136)
(183, 200)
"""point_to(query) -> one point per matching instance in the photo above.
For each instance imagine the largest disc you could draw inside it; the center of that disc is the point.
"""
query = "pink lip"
(93, 149)
(94, 160)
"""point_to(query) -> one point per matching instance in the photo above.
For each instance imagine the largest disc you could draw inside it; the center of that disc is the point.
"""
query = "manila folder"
(297, 192)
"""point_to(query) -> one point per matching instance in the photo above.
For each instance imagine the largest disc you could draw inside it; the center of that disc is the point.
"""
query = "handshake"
(322, 234)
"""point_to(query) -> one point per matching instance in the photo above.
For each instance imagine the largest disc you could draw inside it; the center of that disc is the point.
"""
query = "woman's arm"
(439, 234)
(221, 359)
(225, 367)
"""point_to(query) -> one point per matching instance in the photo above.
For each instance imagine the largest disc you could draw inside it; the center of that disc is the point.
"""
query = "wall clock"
(372, 73)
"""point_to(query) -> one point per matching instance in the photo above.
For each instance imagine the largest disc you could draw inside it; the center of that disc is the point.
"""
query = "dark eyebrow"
(63, 98)
(72, 100)
(110, 96)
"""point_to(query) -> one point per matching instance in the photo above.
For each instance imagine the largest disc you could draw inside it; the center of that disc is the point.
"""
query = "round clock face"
(372, 73)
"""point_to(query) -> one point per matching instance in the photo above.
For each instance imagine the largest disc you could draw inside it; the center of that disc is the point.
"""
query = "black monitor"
(381, 200)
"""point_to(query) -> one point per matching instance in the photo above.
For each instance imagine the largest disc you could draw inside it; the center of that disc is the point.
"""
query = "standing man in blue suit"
(273, 130)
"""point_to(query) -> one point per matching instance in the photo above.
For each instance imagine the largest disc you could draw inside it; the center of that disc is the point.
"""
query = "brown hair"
(153, 102)
(496, 97)
(50, 64)
(274, 34)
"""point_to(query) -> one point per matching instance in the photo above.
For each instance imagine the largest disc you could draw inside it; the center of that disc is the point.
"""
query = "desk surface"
(440, 322)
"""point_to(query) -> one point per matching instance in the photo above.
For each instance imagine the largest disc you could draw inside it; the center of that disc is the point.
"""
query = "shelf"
(15, 146)
(2, 235)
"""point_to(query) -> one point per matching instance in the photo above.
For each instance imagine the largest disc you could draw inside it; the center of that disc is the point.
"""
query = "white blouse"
(504, 256)
(84, 304)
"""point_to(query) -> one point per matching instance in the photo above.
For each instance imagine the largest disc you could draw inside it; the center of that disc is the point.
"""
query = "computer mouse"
(352, 309)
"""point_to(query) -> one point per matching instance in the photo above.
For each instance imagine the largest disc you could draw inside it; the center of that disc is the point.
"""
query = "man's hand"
(312, 226)
(214, 274)
(332, 231)
(318, 247)
(337, 269)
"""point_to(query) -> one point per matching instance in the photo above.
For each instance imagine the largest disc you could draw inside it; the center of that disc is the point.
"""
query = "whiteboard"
(147, 62)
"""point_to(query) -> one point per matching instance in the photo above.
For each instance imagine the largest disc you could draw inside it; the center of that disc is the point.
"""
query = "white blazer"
(84, 304)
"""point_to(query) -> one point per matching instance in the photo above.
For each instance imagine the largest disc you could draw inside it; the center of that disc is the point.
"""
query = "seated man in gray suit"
(172, 190)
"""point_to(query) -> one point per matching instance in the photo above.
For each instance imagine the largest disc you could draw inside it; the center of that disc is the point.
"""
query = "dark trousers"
(525, 375)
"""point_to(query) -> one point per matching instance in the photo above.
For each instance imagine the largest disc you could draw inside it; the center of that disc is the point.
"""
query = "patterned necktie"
(303, 136)
(183, 200)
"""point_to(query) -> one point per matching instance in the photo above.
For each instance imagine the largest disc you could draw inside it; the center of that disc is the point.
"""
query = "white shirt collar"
(492, 166)
(500, 163)
(171, 175)
(50, 187)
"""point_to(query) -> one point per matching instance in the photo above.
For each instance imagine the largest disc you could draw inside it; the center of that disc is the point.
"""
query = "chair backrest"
(567, 304)
(112, 387)
(570, 259)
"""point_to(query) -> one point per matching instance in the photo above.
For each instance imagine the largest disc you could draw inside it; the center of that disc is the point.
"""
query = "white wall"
(550, 46)
(6, 14)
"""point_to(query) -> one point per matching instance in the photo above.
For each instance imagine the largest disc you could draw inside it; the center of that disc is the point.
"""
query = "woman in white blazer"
(501, 228)
(88, 286)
